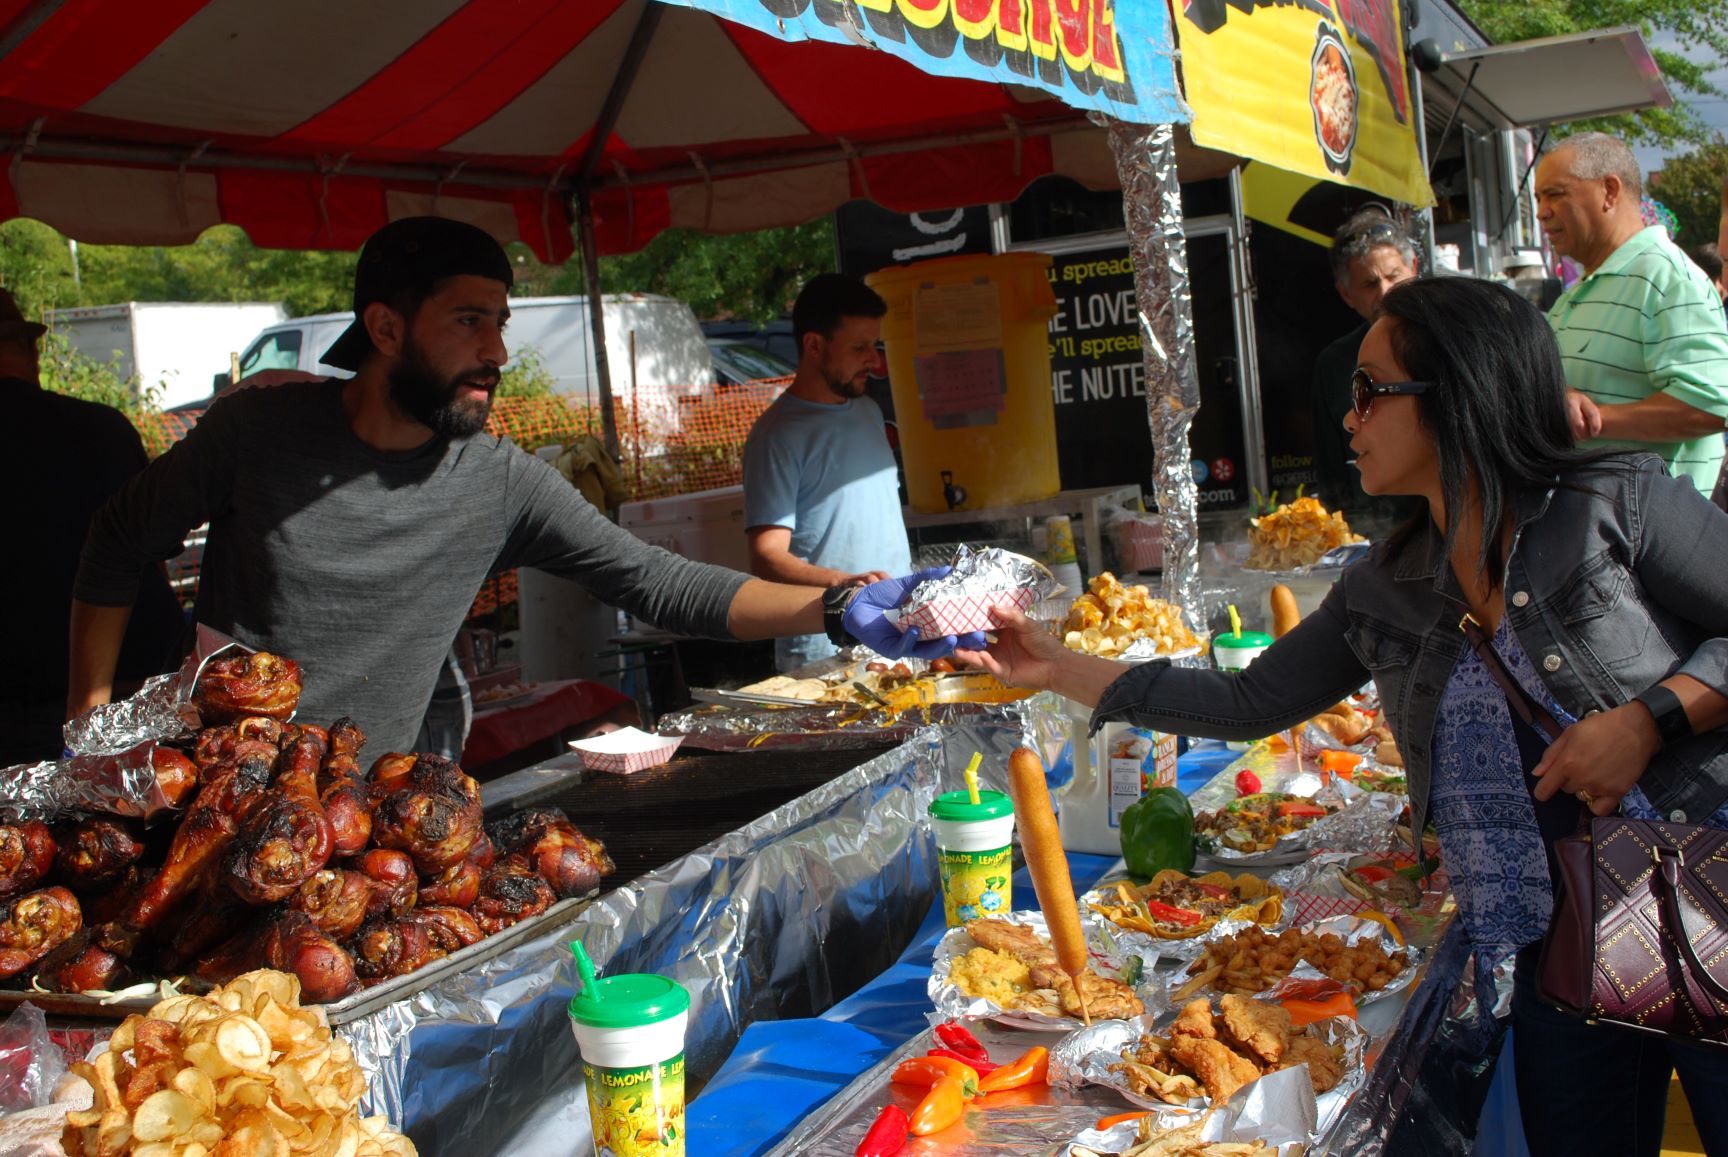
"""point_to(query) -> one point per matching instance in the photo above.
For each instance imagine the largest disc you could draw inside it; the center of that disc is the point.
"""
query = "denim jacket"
(1617, 579)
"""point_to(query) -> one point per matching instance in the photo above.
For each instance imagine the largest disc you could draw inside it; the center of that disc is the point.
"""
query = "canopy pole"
(1152, 211)
(597, 320)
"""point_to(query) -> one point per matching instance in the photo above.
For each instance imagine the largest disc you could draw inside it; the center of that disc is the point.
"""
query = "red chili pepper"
(1247, 783)
(1171, 914)
(887, 1136)
(973, 1063)
(959, 1038)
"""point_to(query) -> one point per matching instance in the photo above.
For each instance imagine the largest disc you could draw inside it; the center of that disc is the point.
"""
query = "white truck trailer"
(177, 348)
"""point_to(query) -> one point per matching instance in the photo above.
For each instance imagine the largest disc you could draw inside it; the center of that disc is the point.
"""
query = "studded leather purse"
(1639, 936)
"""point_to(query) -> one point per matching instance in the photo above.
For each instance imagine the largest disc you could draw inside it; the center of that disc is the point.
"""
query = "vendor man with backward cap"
(352, 522)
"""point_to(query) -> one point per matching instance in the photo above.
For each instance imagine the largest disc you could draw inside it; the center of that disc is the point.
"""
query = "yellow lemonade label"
(637, 1112)
(976, 884)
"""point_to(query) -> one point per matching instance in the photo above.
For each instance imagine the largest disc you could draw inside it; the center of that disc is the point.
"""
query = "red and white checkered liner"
(626, 750)
(969, 613)
(1308, 907)
(1140, 542)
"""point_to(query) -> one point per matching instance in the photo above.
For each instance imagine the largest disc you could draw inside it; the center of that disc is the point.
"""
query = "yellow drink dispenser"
(969, 358)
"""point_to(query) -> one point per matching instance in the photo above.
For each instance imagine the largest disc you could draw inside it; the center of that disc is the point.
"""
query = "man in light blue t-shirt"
(821, 491)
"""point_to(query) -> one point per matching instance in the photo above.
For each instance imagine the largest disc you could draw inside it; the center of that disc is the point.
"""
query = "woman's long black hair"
(1497, 403)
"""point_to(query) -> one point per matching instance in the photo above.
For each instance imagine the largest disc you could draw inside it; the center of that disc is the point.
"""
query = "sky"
(1714, 109)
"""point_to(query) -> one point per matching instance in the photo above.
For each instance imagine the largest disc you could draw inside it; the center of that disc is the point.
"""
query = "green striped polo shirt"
(1649, 321)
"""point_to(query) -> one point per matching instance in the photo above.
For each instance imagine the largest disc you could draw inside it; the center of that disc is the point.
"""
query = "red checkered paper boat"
(981, 579)
(625, 750)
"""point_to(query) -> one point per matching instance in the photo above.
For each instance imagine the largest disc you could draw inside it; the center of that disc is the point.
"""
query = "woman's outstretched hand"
(1023, 655)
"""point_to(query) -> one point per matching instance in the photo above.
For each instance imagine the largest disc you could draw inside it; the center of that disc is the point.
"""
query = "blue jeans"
(1588, 1089)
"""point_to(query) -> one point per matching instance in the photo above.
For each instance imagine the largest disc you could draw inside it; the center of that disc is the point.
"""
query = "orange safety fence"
(668, 445)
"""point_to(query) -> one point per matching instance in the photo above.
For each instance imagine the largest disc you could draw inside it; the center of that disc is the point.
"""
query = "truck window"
(275, 351)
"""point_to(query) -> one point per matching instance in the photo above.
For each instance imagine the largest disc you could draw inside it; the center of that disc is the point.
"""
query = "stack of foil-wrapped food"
(289, 853)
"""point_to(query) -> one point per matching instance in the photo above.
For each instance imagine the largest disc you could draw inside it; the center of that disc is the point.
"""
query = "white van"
(671, 354)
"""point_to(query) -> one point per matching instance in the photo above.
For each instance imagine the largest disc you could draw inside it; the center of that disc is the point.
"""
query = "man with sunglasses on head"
(352, 521)
(1370, 254)
(1642, 333)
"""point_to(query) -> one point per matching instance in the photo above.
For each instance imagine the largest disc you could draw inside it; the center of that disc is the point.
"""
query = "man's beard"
(434, 401)
(846, 388)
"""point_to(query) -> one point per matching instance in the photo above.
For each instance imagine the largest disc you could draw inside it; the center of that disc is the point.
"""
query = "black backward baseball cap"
(411, 253)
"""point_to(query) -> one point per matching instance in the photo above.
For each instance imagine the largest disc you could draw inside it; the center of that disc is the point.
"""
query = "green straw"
(585, 969)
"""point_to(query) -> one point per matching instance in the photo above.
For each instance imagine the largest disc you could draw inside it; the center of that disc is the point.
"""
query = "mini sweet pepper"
(1158, 832)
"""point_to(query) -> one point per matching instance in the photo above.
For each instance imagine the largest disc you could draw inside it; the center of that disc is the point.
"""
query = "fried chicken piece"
(1220, 1069)
(1325, 1062)
(1017, 940)
(1195, 1020)
(1106, 999)
(1259, 1026)
(1151, 1078)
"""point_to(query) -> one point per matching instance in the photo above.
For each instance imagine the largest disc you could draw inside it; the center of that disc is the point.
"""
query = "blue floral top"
(1484, 813)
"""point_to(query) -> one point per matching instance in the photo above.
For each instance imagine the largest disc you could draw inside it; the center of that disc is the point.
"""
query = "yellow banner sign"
(1317, 87)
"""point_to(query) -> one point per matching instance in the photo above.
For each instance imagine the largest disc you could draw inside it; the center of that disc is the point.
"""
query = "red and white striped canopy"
(310, 123)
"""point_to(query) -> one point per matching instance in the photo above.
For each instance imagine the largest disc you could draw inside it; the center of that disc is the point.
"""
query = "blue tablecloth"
(783, 1070)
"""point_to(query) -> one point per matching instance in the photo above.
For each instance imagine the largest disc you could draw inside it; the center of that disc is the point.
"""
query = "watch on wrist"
(835, 600)
(1665, 707)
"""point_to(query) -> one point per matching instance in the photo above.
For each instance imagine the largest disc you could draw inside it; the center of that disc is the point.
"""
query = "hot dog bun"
(1285, 613)
(1045, 859)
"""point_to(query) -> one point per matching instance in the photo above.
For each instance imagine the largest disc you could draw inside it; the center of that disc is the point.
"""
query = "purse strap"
(1670, 860)
(1532, 713)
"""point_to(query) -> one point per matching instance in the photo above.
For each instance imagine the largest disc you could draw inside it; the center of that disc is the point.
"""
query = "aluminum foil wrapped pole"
(1152, 208)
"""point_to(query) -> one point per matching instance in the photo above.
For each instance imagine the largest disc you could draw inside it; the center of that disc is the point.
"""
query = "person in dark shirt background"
(1370, 254)
(66, 458)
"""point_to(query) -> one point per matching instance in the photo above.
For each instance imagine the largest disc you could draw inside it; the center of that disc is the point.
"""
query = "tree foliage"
(1691, 186)
(753, 276)
(1700, 26)
(36, 263)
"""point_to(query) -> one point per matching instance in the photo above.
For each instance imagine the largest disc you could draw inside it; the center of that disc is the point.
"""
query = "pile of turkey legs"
(289, 854)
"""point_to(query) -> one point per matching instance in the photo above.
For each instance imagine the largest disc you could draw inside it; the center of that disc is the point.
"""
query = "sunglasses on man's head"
(1364, 389)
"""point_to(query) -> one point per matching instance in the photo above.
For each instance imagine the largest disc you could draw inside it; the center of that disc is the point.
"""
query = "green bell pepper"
(1158, 833)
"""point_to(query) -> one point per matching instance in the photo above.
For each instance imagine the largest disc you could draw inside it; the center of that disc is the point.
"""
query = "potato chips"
(241, 1072)
(1295, 535)
(1109, 617)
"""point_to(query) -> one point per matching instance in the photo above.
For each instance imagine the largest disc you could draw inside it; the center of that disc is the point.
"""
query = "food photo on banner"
(1317, 88)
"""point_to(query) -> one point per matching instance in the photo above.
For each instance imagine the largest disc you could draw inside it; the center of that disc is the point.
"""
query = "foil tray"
(351, 1007)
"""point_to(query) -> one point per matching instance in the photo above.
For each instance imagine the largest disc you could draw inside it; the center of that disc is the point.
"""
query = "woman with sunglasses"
(1599, 582)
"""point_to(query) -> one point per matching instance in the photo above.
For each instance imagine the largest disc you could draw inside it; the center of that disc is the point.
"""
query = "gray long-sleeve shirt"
(359, 563)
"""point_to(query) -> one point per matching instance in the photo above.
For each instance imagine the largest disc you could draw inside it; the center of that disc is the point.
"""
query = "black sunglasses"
(1364, 389)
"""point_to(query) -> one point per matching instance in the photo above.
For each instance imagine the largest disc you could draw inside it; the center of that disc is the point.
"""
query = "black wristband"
(1671, 722)
(835, 600)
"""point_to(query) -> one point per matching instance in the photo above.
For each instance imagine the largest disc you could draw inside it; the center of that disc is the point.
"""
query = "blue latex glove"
(866, 621)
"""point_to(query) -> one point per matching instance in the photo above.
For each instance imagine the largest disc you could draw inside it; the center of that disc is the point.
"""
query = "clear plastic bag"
(31, 1064)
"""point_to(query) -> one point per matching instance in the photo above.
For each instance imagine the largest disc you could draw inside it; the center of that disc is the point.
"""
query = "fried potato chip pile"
(1110, 616)
(1296, 534)
(241, 1072)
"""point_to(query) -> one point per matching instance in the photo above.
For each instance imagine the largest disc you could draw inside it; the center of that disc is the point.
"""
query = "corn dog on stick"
(1048, 864)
